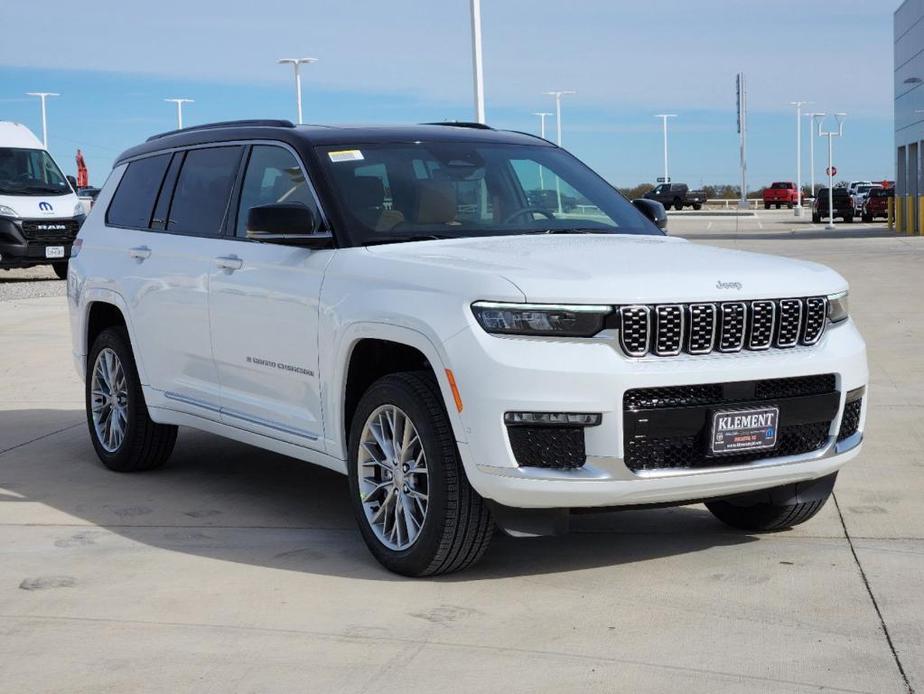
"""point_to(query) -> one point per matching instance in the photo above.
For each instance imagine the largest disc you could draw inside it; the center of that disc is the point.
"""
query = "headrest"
(364, 192)
(436, 202)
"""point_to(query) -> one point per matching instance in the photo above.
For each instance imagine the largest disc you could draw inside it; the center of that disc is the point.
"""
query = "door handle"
(229, 263)
(140, 253)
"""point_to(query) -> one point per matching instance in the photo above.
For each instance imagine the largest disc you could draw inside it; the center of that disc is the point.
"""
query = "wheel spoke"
(395, 499)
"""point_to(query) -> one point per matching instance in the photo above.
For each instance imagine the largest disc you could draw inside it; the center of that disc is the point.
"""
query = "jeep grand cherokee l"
(388, 303)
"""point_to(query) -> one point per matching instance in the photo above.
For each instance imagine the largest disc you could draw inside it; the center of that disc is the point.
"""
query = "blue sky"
(410, 61)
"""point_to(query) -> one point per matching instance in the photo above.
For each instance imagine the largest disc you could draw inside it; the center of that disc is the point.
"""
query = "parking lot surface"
(237, 570)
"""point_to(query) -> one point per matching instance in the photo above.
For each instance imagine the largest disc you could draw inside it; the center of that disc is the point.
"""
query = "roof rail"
(462, 124)
(269, 123)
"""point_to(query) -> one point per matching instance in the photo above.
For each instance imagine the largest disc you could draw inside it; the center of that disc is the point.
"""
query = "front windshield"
(390, 192)
(30, 172)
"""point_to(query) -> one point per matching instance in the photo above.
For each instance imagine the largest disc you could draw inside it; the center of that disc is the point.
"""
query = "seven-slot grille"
(728, 326)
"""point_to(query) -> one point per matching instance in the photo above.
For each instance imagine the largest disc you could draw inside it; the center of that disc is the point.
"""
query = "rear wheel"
(60, 270)
(678, 204)
(697, 206)
(416, 511)
(867, 218)
(766, 205)
(765, 516)
(126, 439)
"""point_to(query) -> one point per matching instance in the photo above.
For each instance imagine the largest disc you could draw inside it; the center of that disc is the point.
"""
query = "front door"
(264, 302)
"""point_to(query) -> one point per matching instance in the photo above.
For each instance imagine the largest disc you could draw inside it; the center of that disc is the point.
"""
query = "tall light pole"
(813, 117)
(477, 66)
(179, 110)
(799, 105)
(297, 63)
(43, 96)
(558, 95)
(831, 134)
(664, 117)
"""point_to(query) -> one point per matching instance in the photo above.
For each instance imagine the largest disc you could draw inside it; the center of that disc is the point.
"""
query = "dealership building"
(909, 116)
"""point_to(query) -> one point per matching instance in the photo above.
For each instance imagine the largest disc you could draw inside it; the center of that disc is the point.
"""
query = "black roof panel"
(327, 135)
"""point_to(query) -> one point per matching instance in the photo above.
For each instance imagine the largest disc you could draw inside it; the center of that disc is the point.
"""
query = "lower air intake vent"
(549, 447)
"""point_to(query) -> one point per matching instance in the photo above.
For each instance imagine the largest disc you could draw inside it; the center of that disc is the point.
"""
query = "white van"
(40, 214)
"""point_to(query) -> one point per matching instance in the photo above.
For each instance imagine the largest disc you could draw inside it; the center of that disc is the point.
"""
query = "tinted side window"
(273, 175)
(202, 190)
(133, 201)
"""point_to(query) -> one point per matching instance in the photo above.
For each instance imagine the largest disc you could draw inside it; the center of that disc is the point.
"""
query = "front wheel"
(765, 516)
(126, 439)
(678, 204)
(416, 511)
(60, 270)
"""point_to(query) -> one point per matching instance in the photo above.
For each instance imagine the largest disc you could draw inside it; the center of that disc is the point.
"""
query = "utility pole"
(742, 138)
(812, 120)
(477, 65)
(798, 105)
(664, 117)
(179, 110)
(296, 63)
(831, 134)
(558, 95)
(43, 96)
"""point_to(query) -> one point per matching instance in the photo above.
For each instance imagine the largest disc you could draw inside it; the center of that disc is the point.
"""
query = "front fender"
(335, 362)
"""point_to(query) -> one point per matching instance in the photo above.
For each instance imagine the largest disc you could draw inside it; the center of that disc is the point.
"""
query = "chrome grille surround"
(635, 330)
(666, 330)
(816, 318)
(789, 325)
(669, 327)
(732, 323)
(760, 327)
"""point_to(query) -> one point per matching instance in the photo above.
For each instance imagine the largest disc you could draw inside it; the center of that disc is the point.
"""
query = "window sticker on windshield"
(345, 155)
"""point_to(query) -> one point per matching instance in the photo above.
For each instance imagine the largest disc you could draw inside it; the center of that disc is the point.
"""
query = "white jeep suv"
(470, 323)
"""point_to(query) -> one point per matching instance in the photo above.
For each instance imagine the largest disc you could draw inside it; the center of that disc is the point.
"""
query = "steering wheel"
(527, 210)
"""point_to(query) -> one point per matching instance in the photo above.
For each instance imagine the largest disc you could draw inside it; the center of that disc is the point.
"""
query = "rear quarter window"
(133, 201)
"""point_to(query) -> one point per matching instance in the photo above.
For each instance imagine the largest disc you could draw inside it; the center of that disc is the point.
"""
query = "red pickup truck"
(781, 193)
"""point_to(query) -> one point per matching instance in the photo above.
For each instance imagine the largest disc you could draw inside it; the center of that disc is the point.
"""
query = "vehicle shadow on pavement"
(229, 501)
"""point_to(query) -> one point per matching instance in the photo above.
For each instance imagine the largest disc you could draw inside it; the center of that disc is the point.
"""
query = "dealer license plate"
(740, 431)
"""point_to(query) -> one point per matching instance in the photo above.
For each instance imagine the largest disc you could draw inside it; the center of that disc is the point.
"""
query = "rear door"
(264, 302)
(167, 276)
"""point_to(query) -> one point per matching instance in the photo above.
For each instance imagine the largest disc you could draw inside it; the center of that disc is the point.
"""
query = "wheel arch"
(103, 309)
(370, 352)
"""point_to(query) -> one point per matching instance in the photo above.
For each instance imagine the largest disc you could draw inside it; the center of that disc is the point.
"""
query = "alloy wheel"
(109, 400)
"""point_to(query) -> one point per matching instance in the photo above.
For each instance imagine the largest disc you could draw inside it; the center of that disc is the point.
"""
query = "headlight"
(837, 307)
(78, 209)
(7, 211)
(577, 320)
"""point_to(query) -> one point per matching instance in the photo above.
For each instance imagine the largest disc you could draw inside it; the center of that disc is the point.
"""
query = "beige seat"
(366, 200)
(436, 203)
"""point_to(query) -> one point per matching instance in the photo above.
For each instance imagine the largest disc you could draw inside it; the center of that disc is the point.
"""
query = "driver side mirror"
(653, 211)
(72, 181)
(287, 224)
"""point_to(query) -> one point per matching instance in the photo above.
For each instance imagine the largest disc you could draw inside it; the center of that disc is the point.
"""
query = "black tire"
(146, 445)
(778, 206)
(766, 205)
(816, 218)
(678, 204)
(849, 219)
(60, 270)
(697, 206)
(457, 527)
(867, 218)
(789, 206)
(765, 517)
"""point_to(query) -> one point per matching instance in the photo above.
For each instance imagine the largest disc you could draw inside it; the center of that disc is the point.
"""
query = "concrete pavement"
(236, 570)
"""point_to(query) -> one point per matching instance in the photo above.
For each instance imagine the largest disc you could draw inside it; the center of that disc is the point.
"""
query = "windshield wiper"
(573, 230)
(42, 189)
(403, 239)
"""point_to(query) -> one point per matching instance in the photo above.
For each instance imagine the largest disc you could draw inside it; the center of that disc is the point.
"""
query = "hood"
(622, 268)
(42, 206)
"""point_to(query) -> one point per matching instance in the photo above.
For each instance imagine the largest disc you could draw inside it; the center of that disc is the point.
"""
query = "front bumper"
(24, 244)
(502, 374)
